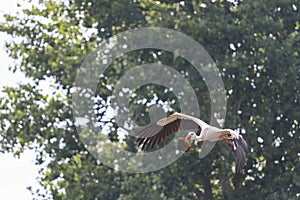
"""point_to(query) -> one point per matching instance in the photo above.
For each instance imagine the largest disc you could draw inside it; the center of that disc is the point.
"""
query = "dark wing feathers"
(155, 134)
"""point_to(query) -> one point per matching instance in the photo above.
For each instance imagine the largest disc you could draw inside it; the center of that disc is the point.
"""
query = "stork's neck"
(199, 138)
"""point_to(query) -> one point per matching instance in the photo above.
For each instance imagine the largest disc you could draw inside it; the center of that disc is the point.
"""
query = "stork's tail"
(240, 158)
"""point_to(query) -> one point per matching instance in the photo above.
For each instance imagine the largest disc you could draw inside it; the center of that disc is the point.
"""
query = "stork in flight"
(157, 132)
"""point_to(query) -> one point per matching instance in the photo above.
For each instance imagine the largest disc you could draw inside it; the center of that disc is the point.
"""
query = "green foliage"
(255, 45)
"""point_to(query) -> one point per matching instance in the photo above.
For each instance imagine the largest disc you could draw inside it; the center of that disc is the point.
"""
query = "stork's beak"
(232, 143)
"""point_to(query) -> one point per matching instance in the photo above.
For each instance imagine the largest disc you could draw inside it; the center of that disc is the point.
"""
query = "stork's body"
(208, 132)
(157, 132)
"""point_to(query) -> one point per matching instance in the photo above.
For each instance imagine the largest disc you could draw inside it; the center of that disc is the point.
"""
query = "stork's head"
(191, 136)
(232, 134)
(231, 138)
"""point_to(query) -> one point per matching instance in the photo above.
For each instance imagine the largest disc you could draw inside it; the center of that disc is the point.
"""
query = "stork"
(157, 132)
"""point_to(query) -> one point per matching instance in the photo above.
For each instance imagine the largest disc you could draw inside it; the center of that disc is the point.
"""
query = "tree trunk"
(207, 188)
(225, 185)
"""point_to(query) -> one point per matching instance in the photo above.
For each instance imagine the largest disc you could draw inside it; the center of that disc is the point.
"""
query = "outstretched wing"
(157, 132)
(240, 158)
(176, 115)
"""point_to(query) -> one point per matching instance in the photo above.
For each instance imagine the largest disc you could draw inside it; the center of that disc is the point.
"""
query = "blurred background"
(255, 45)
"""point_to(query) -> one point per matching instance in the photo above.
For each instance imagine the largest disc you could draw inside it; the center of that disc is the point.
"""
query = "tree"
(255, 45)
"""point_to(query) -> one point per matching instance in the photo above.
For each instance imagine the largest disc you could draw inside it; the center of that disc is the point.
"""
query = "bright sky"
(15, 174)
